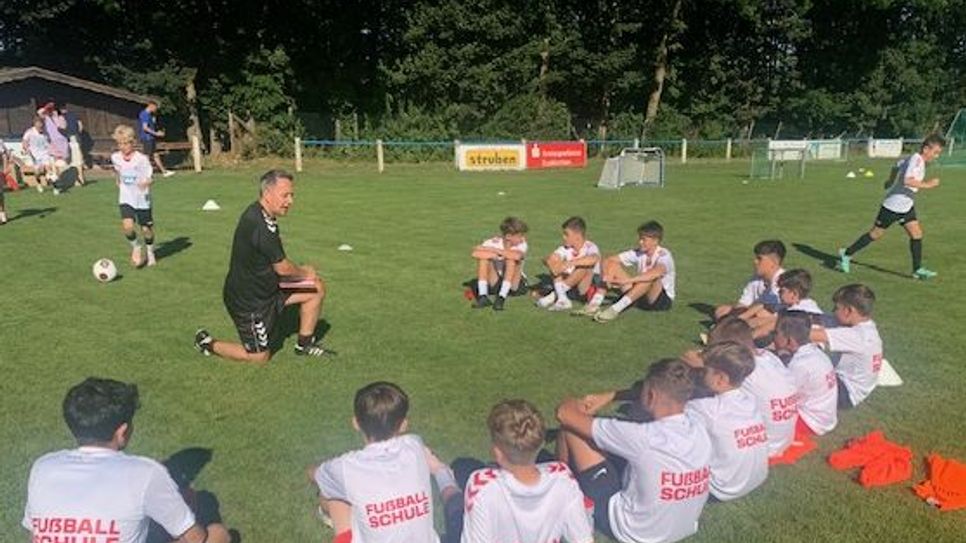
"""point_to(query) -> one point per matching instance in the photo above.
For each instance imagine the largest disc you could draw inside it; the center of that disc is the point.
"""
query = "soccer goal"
(634, 166)
(955, 152)
(770, 163)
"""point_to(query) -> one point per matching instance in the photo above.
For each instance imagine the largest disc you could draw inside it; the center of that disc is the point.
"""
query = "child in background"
(500, 262)
(812, 370)
(133, 177)
(763, 287)
(575, 264)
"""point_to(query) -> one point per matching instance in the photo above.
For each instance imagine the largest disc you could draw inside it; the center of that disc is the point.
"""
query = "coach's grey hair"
(271, 177)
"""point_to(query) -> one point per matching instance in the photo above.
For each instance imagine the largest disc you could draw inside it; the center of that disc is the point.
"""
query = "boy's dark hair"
(795, 325)
(96, 408)
(933, 139)
(798, 281)
(380, 409)
(734, 359)
(671, 377)
(731, 328)
(857, 296)
(770, 247)
(576, 224)
(651, 229)
(513, 225)
(152, 103)
(517, 429)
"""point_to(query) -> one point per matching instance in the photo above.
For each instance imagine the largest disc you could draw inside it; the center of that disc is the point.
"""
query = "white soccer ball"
(104, 270)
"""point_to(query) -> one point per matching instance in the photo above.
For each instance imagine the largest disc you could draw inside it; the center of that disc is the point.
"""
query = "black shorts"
(144, 217)
(600, 483)
(255, 327)
(845, 402)
(662, 303)
(149, 147)
(887, 217)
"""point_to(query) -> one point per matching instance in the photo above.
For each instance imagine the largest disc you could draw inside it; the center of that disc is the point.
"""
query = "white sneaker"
(40, 188)
(561, 305)
(151, 260)
(607, 315)
(136, 257)
(168, 173)
(547, 300)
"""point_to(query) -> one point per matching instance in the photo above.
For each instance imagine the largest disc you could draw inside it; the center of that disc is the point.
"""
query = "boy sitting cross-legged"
(813, 373)
(500, 262)
(382, 492)
(794, 287)
(651, 287)
(739, 462)
(575, 264)
(763, 287)
(648, 481)
(520, 500)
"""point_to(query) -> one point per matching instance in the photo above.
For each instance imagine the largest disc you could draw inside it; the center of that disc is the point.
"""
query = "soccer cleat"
(204, 342)
(481, 302)
(167, 173)
(607, 315)
(546, 301)
(561, 305)
(498, 303)
(136, 257)
(588, 310)
(313, 349)
(923, 273)
(845, 262)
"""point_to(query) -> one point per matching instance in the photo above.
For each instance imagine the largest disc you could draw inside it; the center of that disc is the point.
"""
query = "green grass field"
(396, 312)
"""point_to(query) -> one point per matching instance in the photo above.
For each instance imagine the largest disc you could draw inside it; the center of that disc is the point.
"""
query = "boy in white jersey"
(652, 287)
(655, 485)
(382, 493)
(521, 501)
(899, 206)
(857, 341)
(499, 261)
(763, 287)
(770, 383)
(794, 287)
(36, 145)
(739, 439)
(575, 264)
(812, 370)
(133, 178)
(96, 492)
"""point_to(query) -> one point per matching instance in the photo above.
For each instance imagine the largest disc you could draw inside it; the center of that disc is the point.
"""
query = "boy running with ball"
(133, 171)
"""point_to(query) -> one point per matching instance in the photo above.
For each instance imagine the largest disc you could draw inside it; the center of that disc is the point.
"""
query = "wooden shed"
(100, 107)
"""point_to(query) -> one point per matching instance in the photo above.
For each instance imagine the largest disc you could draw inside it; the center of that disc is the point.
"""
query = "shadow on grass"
(288, 325)
(172, 247)
(39, 212)
(830, 260)
(184, 467)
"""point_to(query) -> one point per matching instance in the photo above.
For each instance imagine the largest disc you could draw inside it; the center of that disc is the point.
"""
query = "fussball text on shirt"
(396, 510)
(684, 485)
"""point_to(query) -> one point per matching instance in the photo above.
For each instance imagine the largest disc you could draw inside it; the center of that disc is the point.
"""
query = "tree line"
(442, 69)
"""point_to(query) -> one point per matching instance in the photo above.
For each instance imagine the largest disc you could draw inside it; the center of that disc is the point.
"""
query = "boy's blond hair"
(517, 429)
(123, 134)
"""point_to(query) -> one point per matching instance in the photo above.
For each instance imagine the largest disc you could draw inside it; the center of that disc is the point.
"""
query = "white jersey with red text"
(773, 387)
(501, 509)
(739, 442)
(899, 199)
(644, 262)
(387, 483)
(760, 291)
(98, 495)
(498, 242)
(666, 482)
(861, 349)
(131, 171)
(569, 254)
(817, 388)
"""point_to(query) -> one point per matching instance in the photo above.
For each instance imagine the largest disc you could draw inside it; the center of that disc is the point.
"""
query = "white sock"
(3, 216)
(597, 298)
(561, 289)
(504, 289)
(134, 243)
(622, 304)
(482, 288)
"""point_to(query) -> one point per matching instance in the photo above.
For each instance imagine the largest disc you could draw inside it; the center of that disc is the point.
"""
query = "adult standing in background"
(72, 129)
(148, 133)
(54, 125)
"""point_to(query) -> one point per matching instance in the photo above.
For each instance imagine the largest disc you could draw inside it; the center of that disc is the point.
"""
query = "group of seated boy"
(701, 427)
(578, 270)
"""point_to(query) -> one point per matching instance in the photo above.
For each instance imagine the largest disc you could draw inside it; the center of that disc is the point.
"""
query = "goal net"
(634, 166)
(955, 152)
(770, 163)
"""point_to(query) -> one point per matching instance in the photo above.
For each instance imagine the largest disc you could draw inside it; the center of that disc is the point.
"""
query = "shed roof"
(9, 75)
